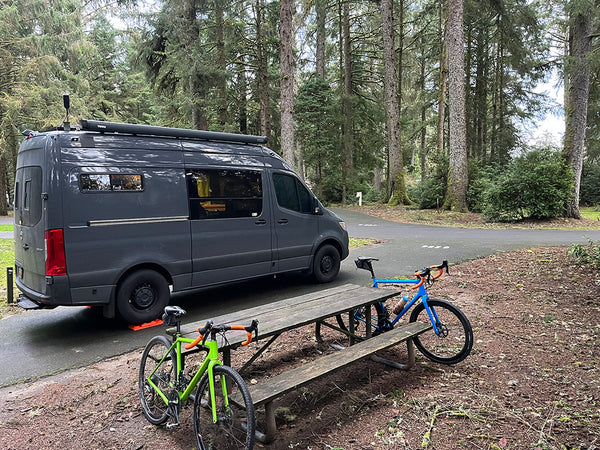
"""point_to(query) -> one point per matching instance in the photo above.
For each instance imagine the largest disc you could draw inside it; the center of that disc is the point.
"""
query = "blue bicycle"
(451, 338)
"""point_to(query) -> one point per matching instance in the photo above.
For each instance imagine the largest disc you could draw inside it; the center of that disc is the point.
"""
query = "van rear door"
(30, 252)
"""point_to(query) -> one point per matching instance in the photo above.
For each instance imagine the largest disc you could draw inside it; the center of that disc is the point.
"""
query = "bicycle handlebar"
(426, 273)
(214, 329)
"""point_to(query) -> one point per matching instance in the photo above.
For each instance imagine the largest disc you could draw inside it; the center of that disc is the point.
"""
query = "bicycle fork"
(438, 326)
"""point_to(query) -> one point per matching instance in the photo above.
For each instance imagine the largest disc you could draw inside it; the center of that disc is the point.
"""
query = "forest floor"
(531, 381)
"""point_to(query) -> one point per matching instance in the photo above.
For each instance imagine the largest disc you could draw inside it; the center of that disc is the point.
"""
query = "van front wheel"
(326, 264)
(142, 296)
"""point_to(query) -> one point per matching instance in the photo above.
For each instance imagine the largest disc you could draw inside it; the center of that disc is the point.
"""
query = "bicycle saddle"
(364, 262)
(174, 311)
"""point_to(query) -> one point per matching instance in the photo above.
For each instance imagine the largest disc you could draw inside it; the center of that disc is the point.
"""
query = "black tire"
(379, 321)
(235, 427)
(142, 296)
(456, 338)
(154, 407)
(326, 264)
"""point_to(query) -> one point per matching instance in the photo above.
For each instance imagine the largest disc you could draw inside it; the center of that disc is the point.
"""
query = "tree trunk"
(321, 12)
(286, 33)
(397, 188)
(580, 46)
(199, 120)
(262, 71)
(221, 62)
(443, 86)
(347, 105)
(456, 194)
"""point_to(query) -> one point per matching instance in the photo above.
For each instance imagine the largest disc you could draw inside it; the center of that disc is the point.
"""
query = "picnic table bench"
(285, 315)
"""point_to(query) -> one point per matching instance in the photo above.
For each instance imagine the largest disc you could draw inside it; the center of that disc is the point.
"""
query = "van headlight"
(343, 225)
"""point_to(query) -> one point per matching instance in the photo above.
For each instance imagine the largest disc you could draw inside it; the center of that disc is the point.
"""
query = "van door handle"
(260, 222)
(282, 221)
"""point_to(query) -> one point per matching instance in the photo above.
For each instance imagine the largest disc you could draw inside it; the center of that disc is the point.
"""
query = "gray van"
(118, 215)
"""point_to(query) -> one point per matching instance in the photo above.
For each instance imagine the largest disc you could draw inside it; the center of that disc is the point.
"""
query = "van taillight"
(55, 253)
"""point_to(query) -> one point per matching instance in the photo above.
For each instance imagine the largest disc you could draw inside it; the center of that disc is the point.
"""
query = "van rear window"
(91, 182)
(28, 195)
(223, 193)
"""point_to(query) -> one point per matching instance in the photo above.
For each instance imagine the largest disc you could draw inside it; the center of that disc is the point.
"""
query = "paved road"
(37, 343)
(4, 220)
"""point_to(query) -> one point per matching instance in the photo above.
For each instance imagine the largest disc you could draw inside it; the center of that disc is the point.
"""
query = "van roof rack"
(149, 130)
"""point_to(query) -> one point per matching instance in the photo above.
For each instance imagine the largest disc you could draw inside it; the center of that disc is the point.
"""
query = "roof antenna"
(67, 104)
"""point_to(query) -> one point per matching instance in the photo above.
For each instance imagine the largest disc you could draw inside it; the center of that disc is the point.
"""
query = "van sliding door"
(230, 222)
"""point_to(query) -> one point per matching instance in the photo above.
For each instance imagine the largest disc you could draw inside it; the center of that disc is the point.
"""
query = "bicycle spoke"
(234, 427)
(454, 338)
(161, 374)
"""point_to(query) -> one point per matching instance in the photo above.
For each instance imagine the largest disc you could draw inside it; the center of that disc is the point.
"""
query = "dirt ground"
(532, 380)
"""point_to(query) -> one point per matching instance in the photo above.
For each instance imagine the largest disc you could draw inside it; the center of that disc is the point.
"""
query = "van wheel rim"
(143, 297)
(326, 264)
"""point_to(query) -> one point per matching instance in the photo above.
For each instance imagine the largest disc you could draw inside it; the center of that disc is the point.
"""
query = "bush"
(427, 193)
(586, 254)
(536, 185)
(589, 194)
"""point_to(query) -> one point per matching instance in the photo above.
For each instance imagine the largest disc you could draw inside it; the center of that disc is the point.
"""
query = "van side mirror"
(316, 207)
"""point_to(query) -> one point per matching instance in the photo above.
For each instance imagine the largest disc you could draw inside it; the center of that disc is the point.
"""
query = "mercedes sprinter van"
(119, 215)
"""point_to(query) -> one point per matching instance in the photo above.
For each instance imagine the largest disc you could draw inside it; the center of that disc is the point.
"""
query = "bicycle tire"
(456, 338)
(154, 407)
(379, 320)
(236, 423)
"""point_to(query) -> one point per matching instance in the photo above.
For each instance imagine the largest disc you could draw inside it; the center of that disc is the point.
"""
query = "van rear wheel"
(142, 296)
(326, 264)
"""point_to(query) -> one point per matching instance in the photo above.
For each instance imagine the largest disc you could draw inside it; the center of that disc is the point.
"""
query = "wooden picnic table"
(313, 308)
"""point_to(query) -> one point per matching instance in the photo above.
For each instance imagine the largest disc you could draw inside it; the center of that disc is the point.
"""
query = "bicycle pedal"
(170, 425)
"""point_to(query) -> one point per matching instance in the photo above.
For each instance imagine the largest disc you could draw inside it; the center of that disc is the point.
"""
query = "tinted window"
(110, 182)
(28, 196)
(217, 194)
(291, 193)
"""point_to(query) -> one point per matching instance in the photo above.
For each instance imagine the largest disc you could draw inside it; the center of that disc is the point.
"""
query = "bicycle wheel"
(235, 424)
(455, 341)
(154, 407)
(379, 320)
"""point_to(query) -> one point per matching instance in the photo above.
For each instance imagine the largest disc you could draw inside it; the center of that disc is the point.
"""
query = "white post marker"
(359, 196)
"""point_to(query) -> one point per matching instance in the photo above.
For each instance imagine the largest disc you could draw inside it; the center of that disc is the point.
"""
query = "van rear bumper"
(58, 293)
(26, 303)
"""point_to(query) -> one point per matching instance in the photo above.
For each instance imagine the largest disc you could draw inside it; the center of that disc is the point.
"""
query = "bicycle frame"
(421, 294)
(210, 361)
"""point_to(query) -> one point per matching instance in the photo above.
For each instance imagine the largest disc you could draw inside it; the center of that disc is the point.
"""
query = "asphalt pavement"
(43, 342)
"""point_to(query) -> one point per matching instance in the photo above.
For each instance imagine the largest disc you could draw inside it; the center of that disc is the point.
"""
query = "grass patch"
(361, 242)
(590, 213)
(7, 253)
(6, 227)
(7, 259)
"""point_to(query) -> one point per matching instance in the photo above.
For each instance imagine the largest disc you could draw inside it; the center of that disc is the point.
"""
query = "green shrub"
(427, 193)
(586, 254)
(536, 185)
(590, 184)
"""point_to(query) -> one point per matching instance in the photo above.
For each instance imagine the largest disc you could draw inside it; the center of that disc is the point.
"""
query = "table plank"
(284, 315)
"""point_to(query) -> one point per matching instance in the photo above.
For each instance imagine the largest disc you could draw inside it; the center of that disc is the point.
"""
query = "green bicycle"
(219, 421)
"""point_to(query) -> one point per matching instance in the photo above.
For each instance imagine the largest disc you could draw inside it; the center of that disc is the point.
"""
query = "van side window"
(91, 182)
(291, 193)
(224, 193)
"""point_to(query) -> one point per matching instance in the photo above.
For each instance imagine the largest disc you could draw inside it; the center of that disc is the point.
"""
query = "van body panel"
(124, 228)
(195, 211)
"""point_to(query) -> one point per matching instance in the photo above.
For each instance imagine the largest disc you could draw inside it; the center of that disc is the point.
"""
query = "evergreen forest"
(411, 102)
